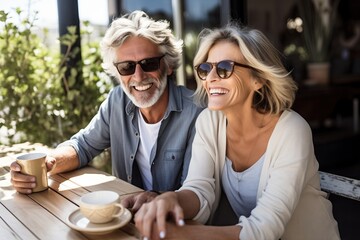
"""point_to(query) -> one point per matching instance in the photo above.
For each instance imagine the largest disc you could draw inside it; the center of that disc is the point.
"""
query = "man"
(147, 121)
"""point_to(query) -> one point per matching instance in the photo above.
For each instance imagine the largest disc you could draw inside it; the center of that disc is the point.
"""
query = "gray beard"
(145, 102)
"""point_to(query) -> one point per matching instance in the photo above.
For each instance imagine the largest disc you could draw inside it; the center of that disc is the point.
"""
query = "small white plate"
(78, 222)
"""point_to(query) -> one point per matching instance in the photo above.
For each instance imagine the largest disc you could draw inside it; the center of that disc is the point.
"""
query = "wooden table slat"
(35, 217)
(93, 180)
(67, 188)
(11, 228)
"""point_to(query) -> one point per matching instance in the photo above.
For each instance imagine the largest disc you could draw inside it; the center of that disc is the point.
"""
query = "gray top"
(241, 187)
(116, 126)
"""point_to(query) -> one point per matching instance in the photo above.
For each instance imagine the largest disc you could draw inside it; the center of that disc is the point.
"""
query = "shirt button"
(129, 178)
(137, 134)
(132, 156)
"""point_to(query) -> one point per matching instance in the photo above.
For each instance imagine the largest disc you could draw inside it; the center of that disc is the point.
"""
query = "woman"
(248, 144)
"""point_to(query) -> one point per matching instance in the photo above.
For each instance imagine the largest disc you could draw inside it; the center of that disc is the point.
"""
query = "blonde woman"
(248, 144)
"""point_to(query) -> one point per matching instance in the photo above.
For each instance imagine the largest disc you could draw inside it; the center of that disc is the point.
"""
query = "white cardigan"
(290, 204)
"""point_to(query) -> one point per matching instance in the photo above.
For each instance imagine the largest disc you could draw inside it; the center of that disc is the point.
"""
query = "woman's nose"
(212, 75)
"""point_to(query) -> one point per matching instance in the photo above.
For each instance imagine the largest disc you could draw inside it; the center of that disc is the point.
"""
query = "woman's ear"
(257, 84)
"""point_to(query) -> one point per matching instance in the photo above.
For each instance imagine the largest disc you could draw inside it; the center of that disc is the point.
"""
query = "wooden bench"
(340, 185)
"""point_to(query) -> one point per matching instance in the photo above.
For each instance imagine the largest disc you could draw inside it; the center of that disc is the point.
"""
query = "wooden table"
(44, 215)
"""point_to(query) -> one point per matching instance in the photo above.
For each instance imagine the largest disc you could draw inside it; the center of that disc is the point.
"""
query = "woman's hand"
(157, 212)
(195, 231)
(25, 183)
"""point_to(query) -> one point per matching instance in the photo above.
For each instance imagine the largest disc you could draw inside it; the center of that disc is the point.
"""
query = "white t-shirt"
(148, 137)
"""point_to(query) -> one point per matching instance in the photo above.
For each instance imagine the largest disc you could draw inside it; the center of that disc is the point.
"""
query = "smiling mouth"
(218, 91)
(143, 87)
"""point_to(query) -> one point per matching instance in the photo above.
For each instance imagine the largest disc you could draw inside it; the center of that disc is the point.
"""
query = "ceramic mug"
(34, 164)
(101, 206)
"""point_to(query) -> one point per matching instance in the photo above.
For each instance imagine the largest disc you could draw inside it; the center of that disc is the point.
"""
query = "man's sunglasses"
(224, 68)
(148, 65)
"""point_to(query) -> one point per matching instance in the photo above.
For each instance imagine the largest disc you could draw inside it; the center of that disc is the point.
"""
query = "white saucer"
(78, 222)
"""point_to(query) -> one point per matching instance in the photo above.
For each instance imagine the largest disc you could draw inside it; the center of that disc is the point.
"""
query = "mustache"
(144, 82)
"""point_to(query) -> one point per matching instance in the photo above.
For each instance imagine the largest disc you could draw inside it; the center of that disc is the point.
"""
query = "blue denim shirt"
(115, 126)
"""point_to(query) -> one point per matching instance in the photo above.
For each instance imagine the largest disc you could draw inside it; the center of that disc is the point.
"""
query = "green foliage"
(37, 98)
(318, 33)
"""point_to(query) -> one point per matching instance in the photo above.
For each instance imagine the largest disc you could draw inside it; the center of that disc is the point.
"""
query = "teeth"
(218, 91)
(143, 87)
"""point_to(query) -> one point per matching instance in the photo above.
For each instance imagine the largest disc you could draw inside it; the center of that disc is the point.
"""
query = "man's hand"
(25, 183)
(135, 201)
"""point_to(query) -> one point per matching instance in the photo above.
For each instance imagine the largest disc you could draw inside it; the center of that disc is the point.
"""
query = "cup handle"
(121, 211)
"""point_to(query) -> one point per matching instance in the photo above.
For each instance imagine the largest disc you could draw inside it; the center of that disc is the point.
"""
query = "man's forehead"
(137, 48)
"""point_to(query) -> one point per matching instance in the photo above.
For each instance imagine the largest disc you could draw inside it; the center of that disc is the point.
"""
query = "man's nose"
(139, 73)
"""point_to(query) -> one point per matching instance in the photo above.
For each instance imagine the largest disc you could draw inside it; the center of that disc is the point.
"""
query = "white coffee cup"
(101, 206)
(34, 164)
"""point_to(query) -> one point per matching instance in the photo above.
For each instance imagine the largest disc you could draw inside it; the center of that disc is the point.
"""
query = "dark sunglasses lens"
(150, 64)
(126, 68)
(203, 70)
(224, 69)
(147, 65)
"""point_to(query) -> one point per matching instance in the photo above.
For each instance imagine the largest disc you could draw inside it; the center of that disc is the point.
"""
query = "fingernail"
(181, 222)
(162, 234)
(33, 185)
(145, 238)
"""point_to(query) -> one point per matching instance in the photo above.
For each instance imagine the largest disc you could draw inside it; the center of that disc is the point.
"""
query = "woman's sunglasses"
(224, 68)
(147, 65)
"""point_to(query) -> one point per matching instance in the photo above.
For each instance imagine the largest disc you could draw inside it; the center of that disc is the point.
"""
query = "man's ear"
(169, 71)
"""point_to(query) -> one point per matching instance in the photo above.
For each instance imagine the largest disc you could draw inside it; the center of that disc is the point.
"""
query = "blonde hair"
(279, 89)
(139, 24)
